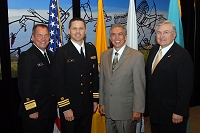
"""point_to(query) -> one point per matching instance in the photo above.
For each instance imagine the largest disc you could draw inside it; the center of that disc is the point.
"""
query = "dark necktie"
(45, 56)
(82, 54)
(115, 61)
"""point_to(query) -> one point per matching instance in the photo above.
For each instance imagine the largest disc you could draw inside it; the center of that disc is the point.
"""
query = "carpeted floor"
(194, 121)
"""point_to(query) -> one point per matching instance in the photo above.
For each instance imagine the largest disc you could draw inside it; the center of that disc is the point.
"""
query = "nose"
(117, 36)
(44, 37)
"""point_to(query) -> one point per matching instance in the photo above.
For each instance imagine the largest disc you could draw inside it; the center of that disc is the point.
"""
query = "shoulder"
(180, 50)
(26, 57)
(63, 48)
(134, 51)
(89, 45)
(155, 47)
(107, 51)
(28, 53)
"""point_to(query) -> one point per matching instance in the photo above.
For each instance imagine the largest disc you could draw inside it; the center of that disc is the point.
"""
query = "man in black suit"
(169, 83)
(75, 72)
(38, 106)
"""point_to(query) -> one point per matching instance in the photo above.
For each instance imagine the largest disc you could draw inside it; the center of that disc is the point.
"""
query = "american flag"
(55, 41)
(54, 26)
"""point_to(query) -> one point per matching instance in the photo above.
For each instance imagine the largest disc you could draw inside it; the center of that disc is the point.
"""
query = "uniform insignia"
(63, 102)
(40, 64)
(93, 57)
(27, 99)
(62, 98)
(70, 60)
(96, 95)
(30, 104)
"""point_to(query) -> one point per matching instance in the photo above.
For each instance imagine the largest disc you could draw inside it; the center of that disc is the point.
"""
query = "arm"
(25, 82)
(139, 82)
(59, 83)
(101, 88)
(185, 77)
(95, 81)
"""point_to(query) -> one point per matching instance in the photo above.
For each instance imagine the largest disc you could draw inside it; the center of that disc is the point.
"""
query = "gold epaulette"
(96, 95)
(30, 104)
(63, 102)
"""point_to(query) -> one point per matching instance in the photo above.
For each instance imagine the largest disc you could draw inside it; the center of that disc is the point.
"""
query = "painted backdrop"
(22, 17)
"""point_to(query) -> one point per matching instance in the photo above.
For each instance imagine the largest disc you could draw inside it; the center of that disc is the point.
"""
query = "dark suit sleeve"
(25, 72)
(58, 80)
(185, 76)
(96, 77)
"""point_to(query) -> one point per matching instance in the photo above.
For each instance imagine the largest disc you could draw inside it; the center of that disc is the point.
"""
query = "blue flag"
(174, 15)
(54, 26)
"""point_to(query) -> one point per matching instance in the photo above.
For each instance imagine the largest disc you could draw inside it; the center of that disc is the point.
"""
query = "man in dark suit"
(122, 85)
(38, 106)
(75, 72)
(169, 83)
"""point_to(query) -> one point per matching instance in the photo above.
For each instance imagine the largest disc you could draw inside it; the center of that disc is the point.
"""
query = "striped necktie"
(115, 61)
(46, 57)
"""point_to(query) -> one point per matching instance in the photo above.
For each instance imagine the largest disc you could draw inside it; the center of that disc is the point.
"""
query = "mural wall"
(22, 17)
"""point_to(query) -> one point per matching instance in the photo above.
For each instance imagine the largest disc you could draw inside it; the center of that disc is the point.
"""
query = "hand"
(69, 116)
(102, 109)
(95, 104)
(136, 116)
(34, 115)
(176, 119)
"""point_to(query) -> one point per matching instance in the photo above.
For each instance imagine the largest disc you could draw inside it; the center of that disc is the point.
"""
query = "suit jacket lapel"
(165, 58)
(123, 57)
(41, 56)
(75, 55)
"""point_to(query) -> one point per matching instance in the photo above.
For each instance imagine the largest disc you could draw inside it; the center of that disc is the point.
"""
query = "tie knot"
(45, 54)
(82, 54)
(116, 53)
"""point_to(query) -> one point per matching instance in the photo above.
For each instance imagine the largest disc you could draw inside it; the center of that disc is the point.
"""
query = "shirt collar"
(40, 49)
(78, 47)
(167, 47)
(120, 51)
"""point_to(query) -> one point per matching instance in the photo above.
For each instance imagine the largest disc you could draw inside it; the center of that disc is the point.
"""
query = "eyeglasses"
(165, 33)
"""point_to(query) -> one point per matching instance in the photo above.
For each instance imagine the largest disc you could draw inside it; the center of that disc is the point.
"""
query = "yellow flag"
(100, 41)
(98, 121)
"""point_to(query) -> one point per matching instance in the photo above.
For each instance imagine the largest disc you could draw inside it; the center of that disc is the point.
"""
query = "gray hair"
(163, 22)
(118, 25)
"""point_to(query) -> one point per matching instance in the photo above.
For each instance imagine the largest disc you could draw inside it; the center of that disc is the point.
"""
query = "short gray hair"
(118, 25)
(163, 22)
